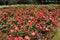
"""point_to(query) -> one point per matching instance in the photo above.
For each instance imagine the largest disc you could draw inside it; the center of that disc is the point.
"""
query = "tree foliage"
(27, 1)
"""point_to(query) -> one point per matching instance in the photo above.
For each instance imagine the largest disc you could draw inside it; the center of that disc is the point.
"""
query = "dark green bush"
(2, 2)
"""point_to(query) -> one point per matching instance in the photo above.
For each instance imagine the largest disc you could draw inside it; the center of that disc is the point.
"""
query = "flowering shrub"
(29, 24)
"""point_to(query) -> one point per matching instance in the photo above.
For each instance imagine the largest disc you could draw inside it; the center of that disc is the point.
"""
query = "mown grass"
(57, 34)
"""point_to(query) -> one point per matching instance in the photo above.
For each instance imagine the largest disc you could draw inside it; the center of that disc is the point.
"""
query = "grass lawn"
(57, 34)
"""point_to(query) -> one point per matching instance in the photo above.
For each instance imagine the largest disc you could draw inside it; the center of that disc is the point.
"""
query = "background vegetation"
(2, 2)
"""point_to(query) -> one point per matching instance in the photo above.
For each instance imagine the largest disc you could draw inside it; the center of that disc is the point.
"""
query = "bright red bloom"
(41, 14)
(11, 37)
(16, 38)
(29, 24)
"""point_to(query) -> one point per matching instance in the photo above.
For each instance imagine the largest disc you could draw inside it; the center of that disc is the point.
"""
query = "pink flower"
(55, 22)
(33, 33)
(51, 18)
(27, 37)
(29, 21)
(16, 28)
(20, 38)
(21, 26)
(43, 22)
(31, 17)
(51, 25)
(0, 19)
(41, 27)
(11, 31)
(39, 39)
(3, 17)
(20, 12)
(47, 29)
(25, 29)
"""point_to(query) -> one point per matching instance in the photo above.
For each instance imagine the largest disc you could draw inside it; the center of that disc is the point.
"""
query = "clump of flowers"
(29, 24)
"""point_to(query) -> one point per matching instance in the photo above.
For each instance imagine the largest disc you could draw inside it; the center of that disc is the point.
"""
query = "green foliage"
(28, 1)
(12, 1)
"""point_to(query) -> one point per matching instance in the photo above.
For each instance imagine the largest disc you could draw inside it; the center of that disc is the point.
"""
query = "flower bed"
(29, 23)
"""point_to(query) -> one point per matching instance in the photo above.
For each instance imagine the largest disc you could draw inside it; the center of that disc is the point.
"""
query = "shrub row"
(2, 2)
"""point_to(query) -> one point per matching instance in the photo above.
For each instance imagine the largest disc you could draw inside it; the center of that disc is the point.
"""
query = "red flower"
(11, 37)
(19, 20)
(20, 38)
(29, 24)
(51, 17)
(27, 37)
(35, 20)
(36, 33)
(42, 14)
(16, 38)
